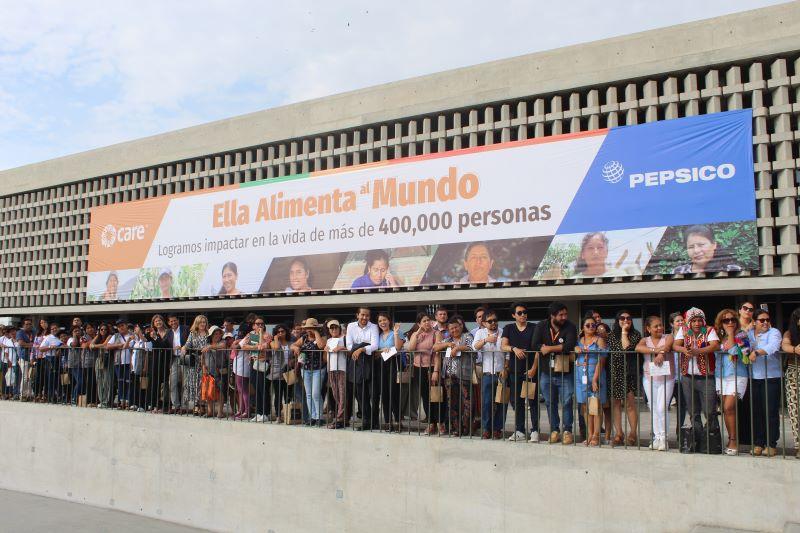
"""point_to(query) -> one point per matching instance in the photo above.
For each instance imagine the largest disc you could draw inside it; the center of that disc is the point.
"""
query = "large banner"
(671, 197)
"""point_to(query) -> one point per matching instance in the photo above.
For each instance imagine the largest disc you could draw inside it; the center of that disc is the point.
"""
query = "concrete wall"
(249, 477)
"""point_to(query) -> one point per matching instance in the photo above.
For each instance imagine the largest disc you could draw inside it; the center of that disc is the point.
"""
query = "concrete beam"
(756, 33)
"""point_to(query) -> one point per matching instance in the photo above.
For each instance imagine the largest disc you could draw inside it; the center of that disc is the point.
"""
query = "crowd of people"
(439, 375)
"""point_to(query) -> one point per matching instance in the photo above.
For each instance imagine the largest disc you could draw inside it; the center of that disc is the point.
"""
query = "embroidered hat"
(695, 312)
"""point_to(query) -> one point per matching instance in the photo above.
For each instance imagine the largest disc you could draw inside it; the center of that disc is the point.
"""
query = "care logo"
(111, 235)
(613, 172)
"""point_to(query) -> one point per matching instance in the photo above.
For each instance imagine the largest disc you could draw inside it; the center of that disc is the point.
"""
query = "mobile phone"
(765, 307)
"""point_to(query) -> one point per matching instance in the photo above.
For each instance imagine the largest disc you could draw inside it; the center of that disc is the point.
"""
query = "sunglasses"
(748, 308)
(492, 321)
(590, 325)
(259, 323)
(521, 313)
(729, 320)
(624, 318)
(762, 320)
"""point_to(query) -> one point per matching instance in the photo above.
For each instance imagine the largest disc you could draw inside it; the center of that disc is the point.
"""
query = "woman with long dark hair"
(791, 346)
(622, 342)
(704, 253)
(427, 368)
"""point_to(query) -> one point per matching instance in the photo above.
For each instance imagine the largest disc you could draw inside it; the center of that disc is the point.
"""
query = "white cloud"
(96, 73)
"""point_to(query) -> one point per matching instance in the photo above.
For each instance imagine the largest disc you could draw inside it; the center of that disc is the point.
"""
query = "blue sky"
(83, 74)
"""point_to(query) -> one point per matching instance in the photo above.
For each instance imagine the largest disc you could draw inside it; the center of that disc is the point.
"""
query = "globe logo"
(108, 236)
(613, 172)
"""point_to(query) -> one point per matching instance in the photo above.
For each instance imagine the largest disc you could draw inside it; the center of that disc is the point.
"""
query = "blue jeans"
(77, 384)
(312, 379)
(492, 414)
(123, 373)
(557, 386)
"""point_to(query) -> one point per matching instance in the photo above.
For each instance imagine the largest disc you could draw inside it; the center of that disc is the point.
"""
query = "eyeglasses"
(748, 308)
(624, 318)
(762, 320)
(590, 325)
(491, 321)
(521, 313)
(729, 320)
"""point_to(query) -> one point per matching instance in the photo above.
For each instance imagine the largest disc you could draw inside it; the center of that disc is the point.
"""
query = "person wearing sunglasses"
(732, 373)
(493, 361)
(791, 346)
(765, 357)
(697, 343)
(516, 341)
(746, 321)
(622, 342)
(656, 351)
(554, 341)
(589, 377)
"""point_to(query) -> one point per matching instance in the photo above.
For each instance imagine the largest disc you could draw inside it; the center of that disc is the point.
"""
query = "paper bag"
(65, 378)
(528, 391)
(290, 377)
(82, 400)
(292, 413)
(503, 394)
(561, 363)
(144, 382)
(477, 372)
(594, 406)
(404, 377)
(437, 394)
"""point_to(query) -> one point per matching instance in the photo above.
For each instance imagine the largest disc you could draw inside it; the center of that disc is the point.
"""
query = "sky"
(83, 74)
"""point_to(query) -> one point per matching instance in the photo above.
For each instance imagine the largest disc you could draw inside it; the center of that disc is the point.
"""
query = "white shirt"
(357, 335)
(139, 349)
(490, 356)
(123, 356)
(241, 365)
(9, 350)
(50, 340)
(692, 368)
(336, 360)
(176, 339)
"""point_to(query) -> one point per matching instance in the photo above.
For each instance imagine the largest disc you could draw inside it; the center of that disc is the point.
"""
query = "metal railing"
(402, 394)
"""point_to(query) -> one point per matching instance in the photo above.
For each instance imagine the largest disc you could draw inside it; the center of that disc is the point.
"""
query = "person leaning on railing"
(308, 350)
(791, 347)
(102, 365)
(731, 371)
(765, 358)
(389, 338)
(624, 369)
(336, 359)
(657, 350)
(697, 343)
(190, 351)
(158, 391)
(590, 382)
(492, 361)
(458, 365)
(427, 367)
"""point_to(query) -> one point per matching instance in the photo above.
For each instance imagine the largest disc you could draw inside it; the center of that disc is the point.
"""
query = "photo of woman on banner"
(376, 272)
(230, 276)
(165, 282)
(478, 263)
(299, 276)
(593, 259)
(704, 253)
(112, 283)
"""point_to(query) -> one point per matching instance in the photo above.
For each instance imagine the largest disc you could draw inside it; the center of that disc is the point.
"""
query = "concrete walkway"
(22, 513)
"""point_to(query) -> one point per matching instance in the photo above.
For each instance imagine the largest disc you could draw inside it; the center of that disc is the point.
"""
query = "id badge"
(552, 363)
(585, 379)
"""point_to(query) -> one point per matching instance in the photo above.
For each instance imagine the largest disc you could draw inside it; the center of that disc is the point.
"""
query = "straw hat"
(310, 323)
(212, 329)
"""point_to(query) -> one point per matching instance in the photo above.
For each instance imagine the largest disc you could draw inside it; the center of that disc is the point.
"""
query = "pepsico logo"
(613, 172)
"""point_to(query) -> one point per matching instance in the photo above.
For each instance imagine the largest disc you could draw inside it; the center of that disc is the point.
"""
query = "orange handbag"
(208, 389)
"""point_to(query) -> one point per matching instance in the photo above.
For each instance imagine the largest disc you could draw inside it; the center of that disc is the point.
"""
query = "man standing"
(176, 338)
(50, 348)
(362, 341)
(555, 340)
(521, 367)
(442, 315)
(493, 361)
(25, 343)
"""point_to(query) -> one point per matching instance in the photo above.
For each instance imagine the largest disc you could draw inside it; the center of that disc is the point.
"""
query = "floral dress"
(624, 370)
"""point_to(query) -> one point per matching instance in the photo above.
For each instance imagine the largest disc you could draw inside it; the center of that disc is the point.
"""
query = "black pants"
(515, 382)
(766, 411)
(362, 392)
(435, 410)
(387, 388)
(90, 385)
(261, 398)
(279, 393)
(158, 374)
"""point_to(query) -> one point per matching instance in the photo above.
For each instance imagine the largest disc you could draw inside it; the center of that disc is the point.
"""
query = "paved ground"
(22, 513)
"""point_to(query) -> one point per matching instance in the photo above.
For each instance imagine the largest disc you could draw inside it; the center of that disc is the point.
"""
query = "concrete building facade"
(745, 60)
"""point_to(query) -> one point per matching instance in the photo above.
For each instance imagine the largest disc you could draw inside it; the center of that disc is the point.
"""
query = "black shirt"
(544, 335)
(519, 339)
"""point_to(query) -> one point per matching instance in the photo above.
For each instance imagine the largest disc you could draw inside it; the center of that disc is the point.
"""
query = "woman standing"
(255, 345)
(158, 365)
(731, 372)
(427, 366)
(102, 365)
(746, 311)
(278, 363)
(88, 359)
(590, 380)
(622, 342)
(388, 389)
(37, 360)
(142, 349)
(657, 351)
(213, 363)
(791, 345)
(190, 352)
(309, 348)
(765, 355)
(336, 359)
(458, 370)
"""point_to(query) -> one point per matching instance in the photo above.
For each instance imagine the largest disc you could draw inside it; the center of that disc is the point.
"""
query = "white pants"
(25, 389)
(659, 393)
